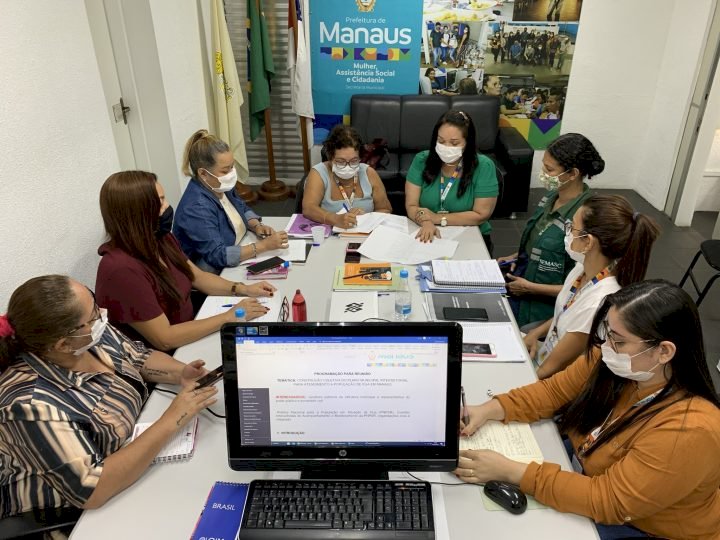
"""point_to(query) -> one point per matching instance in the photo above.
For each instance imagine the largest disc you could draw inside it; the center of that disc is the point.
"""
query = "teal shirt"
(484, 185)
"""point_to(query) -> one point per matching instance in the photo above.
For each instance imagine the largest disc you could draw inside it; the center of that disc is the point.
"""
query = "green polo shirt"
(484, 185)
(543, 244)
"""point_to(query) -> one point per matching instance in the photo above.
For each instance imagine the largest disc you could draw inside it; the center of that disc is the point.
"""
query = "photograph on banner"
(547, 10)
(450, 81)
(361, 47)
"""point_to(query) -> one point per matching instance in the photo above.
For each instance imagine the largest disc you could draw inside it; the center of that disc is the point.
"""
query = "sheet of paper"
(388, 244)
(514, 441)
(508, 346)
(452, 232)
(294, 252)
(215, 305)
(366, 223)
(395, 222)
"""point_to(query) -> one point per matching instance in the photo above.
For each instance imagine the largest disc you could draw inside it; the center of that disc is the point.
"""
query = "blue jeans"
(437, 56)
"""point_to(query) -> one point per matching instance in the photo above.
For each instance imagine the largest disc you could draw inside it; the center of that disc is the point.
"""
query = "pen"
(369, 272)
(227, 305)
(466, 416)
(346, 207)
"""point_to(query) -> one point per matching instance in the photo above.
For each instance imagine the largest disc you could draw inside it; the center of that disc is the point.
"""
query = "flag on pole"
(299, 62)
(227, 94)
(260, 66)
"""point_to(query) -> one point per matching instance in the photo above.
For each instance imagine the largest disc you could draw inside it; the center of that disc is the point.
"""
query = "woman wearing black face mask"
(144, 279)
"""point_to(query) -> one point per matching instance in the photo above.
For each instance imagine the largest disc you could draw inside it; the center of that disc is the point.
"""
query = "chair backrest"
(419, 116)
(299, 192)
(377, 117)
(485, 113)
(33, 523)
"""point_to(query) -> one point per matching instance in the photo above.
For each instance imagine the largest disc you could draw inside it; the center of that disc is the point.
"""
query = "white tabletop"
(167, 500)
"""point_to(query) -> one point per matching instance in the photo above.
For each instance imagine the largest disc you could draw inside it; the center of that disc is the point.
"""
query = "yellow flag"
(227, 94)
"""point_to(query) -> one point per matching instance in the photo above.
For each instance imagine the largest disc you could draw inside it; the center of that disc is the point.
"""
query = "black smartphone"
(211, 378)
(267, 264)
(465, 314)
(352, 257)
(353, 246)
(478, 349)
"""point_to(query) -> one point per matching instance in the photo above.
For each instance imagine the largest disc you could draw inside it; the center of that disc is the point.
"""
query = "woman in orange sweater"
(643, 418)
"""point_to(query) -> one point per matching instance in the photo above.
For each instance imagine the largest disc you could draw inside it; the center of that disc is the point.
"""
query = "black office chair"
(710, 249)
(34, 524)
(299, 192)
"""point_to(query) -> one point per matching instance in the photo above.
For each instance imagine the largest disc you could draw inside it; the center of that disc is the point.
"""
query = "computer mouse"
(506, 495)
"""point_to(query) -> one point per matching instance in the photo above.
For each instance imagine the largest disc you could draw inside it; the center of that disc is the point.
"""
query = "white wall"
(708, 198)
(56, 141)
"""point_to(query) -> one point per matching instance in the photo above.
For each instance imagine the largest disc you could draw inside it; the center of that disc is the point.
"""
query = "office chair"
(299, 192)
(710, 249)
(34, 523)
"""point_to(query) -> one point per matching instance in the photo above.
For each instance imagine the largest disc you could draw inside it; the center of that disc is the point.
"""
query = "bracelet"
(254, 246)
(234, 290)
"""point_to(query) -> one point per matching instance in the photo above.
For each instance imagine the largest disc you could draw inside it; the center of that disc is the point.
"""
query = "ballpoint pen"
(345, 206)
(465, 415)
(367, 273)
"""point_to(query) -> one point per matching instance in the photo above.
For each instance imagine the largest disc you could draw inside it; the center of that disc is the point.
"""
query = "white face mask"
(96, 332)
(227, 181)
(346, 171)
(551, 182)
(574, 255)
(449, 154)
(621, 364)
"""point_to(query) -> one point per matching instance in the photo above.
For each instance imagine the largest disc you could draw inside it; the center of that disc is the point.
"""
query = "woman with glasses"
(144, 279)
(537, 270)
(641, 415)
(71, 390)
(611, 245)
(339, 190)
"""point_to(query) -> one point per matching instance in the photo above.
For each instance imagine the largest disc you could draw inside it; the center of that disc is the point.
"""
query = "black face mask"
(166, 221)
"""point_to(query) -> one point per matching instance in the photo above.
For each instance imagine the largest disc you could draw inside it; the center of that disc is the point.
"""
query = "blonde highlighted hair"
(201, 151)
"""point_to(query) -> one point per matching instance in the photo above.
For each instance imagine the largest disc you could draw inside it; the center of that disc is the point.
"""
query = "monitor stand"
(344, 473)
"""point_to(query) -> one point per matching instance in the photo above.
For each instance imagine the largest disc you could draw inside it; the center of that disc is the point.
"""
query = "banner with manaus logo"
(361, 47)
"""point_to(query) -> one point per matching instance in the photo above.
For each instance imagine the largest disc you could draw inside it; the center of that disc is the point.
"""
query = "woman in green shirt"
(451, 184)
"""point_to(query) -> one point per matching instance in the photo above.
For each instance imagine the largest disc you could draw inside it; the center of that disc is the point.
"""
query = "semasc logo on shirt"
(549, 266)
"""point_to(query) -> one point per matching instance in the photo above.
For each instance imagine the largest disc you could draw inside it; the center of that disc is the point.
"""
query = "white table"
(167, 500)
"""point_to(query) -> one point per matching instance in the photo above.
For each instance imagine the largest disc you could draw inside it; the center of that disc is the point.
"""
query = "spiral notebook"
(477, 273)
(181, 446)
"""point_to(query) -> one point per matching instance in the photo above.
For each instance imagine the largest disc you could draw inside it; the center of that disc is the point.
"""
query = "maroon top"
(131, 293)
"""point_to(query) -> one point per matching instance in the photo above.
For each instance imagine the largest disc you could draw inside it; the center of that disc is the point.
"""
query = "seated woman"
(451, 162)
(542, 262)
(343, 183)
(71, 390)
(211, 219)
(491, 85)
(144, 279)
(611, 246)
(642, 417)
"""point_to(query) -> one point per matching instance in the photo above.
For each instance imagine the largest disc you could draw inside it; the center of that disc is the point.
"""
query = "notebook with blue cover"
(223, 511)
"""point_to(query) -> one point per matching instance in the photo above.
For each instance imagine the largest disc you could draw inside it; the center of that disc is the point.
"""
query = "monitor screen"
(344, 394)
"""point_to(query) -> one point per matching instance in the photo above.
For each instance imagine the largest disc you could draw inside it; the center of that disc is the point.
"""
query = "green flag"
(260, 66)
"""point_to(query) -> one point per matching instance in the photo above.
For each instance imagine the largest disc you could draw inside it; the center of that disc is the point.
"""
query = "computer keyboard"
(373, 510)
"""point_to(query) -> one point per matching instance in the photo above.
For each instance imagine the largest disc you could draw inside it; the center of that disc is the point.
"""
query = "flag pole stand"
(273, 189)
(246, 193)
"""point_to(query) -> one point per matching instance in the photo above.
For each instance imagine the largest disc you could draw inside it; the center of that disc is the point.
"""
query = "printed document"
(391, 245)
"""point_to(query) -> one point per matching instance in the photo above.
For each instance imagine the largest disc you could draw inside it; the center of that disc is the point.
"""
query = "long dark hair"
(575, 151)
(654, 310)
(433, 164)
(41, 311)
(130, 209)
(625, 236)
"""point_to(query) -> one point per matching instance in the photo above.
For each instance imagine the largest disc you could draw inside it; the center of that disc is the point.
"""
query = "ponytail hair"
(200, 152)
(625, 236)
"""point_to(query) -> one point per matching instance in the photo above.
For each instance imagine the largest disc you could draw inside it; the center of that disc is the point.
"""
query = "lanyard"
(574, 292)
(444, 190)
(344, 195)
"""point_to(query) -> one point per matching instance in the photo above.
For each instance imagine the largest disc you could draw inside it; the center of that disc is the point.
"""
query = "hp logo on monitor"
(342, 453)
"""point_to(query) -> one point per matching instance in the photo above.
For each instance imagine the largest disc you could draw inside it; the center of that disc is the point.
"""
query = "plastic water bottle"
(403, 299)
(240, 314)
(299, 308)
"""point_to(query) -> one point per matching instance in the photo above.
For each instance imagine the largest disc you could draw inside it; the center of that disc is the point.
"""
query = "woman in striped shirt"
(71, 390)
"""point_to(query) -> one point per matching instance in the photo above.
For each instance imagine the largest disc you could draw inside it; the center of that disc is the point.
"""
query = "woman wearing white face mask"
(611, 245)
(342, 188)
(642, 418)
(211, 220)
(538, 269)
(71, 390)
(451, 184)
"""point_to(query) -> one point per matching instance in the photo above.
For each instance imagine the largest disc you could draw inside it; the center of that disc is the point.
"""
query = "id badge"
(550, 342)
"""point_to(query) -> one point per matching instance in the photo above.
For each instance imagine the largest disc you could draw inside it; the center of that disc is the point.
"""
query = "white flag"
(299, 63)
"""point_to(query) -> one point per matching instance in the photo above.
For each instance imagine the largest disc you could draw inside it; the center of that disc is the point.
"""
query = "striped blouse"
(57, 426)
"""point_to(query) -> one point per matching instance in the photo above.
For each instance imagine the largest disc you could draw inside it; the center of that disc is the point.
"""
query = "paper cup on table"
(318, 234)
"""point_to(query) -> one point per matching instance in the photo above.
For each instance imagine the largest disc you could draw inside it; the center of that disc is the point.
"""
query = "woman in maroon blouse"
(144, 279)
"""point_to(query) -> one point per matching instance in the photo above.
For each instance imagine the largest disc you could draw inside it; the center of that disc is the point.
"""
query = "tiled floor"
(671, 256)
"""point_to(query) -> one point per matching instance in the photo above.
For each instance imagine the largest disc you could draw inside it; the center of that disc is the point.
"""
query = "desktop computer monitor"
(342, 400)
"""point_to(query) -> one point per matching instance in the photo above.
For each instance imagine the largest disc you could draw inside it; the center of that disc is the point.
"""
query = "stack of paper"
(300, 227)
(502, 336)
(366, 223)
(472, 273)
(388, 244)
(428, 285)
(514, 441)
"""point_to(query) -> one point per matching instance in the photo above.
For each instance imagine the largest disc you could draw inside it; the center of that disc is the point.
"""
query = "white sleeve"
(583, 311)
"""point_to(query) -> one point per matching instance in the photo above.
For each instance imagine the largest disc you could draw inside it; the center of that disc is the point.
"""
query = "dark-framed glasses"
(568, 227)
(605, 335)
(284, 310)
(96, 316)
(343, 162)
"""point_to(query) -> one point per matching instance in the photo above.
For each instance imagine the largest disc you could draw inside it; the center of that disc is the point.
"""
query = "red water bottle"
(299, 308)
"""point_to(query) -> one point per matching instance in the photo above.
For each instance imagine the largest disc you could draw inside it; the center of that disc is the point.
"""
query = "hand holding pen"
(465, 414)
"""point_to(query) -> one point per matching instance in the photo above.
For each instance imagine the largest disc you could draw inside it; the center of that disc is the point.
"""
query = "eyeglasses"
(284, 310)
(568, 227)
(96, 316)
(604, 334)
(343, 162)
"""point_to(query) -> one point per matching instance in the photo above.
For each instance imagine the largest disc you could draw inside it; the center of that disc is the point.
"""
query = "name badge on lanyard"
(444, 190)
(350, 200)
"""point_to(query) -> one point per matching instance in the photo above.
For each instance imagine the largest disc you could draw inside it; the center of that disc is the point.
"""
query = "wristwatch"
(443, 221)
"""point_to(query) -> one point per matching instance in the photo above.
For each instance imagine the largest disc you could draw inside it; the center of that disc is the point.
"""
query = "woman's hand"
(188, 403)
(478, 417)
(192, 371)
(427, 232)
(480, 466)
(262, 230)
(253, 310)
(511, 267)
(276, 240)
(346, 221)
(261, 288)
(518, 286)
(356, 211)
(531, 343)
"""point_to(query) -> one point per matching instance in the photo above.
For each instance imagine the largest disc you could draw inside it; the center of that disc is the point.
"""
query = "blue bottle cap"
(239, 313)
(403, 273)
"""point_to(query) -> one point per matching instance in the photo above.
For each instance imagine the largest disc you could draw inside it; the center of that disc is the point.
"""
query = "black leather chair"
(34, 524)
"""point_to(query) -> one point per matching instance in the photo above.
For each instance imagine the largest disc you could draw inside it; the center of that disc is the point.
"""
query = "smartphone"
(211, 378)
(261, 266)
(486, 350)
(465, 314)
(353, 246)
(352, 257)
